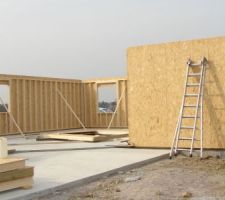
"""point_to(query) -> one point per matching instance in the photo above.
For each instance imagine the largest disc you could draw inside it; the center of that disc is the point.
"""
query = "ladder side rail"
(182, 106)
(175, 135)
(201, 125)
(197, 108)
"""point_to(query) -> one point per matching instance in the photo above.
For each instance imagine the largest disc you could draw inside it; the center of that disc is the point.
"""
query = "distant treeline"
(2, 108)
(109, 106)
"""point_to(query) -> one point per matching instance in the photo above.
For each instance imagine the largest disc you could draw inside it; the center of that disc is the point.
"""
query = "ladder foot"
(170, 157)
(190, 155)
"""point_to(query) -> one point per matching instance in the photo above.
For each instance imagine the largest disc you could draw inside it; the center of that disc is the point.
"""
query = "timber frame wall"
(36, 105)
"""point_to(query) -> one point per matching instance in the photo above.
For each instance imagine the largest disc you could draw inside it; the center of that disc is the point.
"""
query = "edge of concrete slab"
(90, 179)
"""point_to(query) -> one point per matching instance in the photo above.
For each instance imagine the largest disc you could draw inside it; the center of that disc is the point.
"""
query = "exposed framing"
(37, 107)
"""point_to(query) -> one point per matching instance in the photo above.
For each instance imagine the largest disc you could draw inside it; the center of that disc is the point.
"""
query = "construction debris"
(186, 195)
(132, 179)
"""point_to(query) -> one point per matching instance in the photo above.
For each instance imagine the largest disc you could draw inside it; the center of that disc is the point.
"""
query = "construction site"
(59, 142)
(112, 100)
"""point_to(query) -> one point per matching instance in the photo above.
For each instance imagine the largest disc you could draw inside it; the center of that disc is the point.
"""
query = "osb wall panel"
(156, 76)
(95, 119)
(36, 105)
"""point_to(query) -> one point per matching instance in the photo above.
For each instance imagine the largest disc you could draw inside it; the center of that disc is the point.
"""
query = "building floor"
(57, 163)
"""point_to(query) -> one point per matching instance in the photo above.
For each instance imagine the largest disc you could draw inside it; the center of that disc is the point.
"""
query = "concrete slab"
(72, 161)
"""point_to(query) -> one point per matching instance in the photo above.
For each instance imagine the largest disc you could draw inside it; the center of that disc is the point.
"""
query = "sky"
(85, 39)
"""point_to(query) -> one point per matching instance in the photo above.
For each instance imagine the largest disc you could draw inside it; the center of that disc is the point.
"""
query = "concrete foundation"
(66, 164)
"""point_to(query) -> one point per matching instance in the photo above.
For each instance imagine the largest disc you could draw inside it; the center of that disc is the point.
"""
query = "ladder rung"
(191, 106)
(189, 116)
(194, 74)
(187, 138)
(191, 95)
(195, 65)
(183, 149)
(193, 84)
(187, 127)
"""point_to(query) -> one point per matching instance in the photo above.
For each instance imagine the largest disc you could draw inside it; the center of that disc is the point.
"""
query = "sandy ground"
(179, 178)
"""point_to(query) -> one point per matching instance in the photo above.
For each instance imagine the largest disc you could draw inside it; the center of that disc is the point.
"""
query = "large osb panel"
(156, 76)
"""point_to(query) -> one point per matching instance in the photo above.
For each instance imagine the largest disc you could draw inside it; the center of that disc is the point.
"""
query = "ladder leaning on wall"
(195, 83)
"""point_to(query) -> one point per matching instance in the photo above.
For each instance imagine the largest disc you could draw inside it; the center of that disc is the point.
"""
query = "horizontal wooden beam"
(4, 82)
(106, 80)
(36, 78)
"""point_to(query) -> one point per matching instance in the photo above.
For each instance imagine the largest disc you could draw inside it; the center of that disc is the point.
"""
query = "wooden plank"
(12, 106)
(56, 105)
(24, 112)
(16, 174)
(10, 150)
(46, 106)
(73, 137)
(24, 183)
(114, 133)
(73, 131)
(3, 125)
(105, 80)
(41, 100)
(51, 103)
(82, 133)
(31, 105)
(8, 77)
(70, 100)
(11, 163)
(36, 102)
(4, 82)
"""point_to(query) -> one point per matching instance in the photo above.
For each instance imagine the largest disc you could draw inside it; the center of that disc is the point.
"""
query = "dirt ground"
(179, 178)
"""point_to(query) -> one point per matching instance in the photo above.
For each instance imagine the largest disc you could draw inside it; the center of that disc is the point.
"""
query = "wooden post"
(12, 118)
(117, 106)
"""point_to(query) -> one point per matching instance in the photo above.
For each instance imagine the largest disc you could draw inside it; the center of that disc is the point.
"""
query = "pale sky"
(88, 38)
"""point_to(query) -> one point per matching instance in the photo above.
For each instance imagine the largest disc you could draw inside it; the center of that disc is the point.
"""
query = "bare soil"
(179, 178)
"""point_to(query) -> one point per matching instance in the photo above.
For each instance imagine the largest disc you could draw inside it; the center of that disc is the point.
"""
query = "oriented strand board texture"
(156, 75)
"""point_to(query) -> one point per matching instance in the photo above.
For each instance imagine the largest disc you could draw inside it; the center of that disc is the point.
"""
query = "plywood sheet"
(156, 75)
(16, 174)
(73, 137)
(19, 183)
(11, 163)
